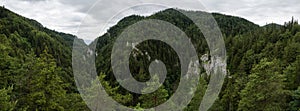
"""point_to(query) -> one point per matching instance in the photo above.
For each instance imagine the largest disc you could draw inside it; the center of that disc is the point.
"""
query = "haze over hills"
(262, 65)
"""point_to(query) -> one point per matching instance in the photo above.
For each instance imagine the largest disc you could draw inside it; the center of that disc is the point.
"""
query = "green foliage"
(247, 44)
(41, 80)
(45, 85)
(262, 65)
(265, 89)
(6, 102)
(112, 91)
(157, 97)
(197, 99)
(295, 104)
(293, 74)
(95, 91)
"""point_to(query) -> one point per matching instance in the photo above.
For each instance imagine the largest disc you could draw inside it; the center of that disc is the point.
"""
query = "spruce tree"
(265, 89)
(45, 87)
(157, 97)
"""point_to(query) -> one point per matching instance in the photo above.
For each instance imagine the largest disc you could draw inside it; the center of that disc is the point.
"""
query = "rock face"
(194, 68)
(211, 65)
(206, 63)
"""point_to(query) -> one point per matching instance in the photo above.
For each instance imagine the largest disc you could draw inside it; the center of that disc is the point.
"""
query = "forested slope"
(262, 63)
(35, 66)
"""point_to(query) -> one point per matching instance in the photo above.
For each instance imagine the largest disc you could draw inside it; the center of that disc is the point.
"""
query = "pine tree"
(265, 89)
(6, 102)
(200, 92)
(156, 98)
(45, 87)
(295, 104)
(292, 73)
(96, 95)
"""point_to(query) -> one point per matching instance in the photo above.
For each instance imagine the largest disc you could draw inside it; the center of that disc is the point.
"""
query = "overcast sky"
(67, 15)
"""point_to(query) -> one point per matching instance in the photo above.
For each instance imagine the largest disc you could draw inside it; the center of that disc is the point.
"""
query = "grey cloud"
(83, 5)
(66, 15)
(258, 11)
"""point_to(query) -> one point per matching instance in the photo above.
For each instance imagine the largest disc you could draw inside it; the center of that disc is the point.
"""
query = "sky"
(71, 16)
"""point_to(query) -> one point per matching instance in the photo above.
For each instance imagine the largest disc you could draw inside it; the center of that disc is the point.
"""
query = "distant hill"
(249, 48)
(273, 25)
(27, 49)
(36, 36)
(229, 25)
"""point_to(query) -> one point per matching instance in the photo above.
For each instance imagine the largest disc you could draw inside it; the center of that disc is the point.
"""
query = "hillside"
(251, 51)
(262, 65)
(34, 59)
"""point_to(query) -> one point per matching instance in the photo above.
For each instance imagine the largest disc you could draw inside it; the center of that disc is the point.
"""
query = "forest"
(263, 72)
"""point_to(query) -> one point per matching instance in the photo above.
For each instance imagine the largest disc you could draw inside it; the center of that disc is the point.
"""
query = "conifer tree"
(46, 89)
(265, 89)
(6, 102)
(156, 98)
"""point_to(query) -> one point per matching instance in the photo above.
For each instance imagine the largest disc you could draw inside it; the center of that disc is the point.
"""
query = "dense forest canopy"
(263, 62)
(36, 72)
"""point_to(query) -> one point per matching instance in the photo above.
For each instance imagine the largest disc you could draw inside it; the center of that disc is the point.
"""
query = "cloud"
(51, 13)
(105, 14)
(258, 11)
(67, 15)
